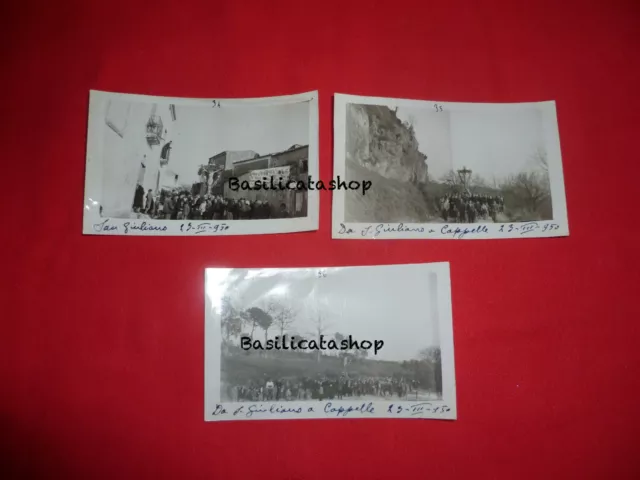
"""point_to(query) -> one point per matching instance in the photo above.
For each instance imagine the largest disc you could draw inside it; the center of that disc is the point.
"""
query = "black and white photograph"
(340, 342)
(177, 166)
(486, 170)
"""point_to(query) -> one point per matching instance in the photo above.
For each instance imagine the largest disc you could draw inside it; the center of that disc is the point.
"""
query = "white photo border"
(558, 227)
(216, 410)
(94, 224)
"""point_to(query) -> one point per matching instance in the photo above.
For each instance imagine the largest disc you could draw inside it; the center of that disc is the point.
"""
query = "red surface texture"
(101, 358)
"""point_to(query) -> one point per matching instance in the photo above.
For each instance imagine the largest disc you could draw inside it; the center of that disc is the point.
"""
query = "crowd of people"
(183, 205)
(321, 388)
(469, 208)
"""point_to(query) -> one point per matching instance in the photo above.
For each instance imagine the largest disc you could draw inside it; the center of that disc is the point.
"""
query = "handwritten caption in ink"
(417, 409)
(450, 231)
(134, 227)
(331, 410)
(204, 227)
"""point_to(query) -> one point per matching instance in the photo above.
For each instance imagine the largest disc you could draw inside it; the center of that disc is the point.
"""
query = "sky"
(391, 303)
(492, 144)
(202, 132)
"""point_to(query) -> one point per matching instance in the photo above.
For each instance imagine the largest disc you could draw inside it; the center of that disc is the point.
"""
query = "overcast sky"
(202, 132)
(490, 143)
(391, 303)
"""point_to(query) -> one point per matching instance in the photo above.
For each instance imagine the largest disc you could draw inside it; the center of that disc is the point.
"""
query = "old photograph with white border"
(447, 170)
(336, 342)
(181, 166)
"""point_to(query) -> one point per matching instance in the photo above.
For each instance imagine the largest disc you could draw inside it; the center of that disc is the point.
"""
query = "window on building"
(304, 168)
(154, 130)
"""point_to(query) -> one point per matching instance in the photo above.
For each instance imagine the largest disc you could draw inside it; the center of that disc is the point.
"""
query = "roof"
(290, 149)
(237, 153)
(249, 160)
(233, 156)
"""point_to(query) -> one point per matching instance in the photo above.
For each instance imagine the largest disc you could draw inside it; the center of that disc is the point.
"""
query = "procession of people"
(182, 205)
(469, 208)
(321, 388)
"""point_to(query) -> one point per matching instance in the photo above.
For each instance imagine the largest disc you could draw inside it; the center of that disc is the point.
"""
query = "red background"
(102, 337)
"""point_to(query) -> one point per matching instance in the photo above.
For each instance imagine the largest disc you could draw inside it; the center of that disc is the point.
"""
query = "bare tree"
(477, 181)
(539, 158)
(528, 193)
(230, 319)
(245, 319)
(339, 338)
(451, 178)
(283, 317)
(431, 354)
(433, 357)
(531, 187)
(320, 327)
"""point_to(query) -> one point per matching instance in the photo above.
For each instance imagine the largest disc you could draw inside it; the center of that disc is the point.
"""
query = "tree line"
(275, 317)
(527, 194)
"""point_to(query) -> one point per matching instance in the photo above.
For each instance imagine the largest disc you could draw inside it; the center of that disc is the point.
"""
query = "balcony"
(154, 130)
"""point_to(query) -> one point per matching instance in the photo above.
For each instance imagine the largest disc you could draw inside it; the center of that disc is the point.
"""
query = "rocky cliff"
(382, 149)
(379, 141)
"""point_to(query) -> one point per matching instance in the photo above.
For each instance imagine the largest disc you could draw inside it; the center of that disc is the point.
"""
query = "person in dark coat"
(471, 213)
(283, 213)
(266, 210)
(138, 198)
(148, 207)
(169, 205)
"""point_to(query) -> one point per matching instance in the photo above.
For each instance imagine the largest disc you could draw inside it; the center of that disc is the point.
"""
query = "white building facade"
(135, 134)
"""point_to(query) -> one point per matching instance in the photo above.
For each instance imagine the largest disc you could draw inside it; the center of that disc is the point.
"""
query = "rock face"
(380, 142)
(388, 200)
(380, 148)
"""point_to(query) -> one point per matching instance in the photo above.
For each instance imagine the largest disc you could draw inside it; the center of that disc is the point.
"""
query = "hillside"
(244, 367)
(382, 149)
(388, 200)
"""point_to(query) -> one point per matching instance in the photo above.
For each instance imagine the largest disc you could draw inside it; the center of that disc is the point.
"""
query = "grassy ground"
(393, 201)
(387, 201)
(242, 367)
